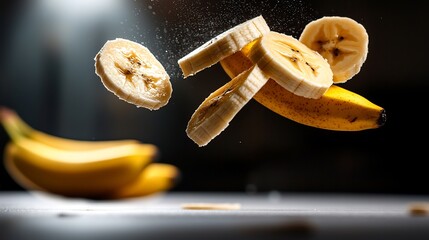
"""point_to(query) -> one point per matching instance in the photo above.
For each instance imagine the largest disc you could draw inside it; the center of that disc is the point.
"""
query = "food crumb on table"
(419, 209)
(211, 206)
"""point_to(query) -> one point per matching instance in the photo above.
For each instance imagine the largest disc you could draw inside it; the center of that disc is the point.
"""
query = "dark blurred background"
(47, 75)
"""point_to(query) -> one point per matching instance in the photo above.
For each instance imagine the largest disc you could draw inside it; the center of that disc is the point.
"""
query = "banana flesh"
(223, 46)
(300, 80)
(337, 109)
(341, 40)
(293, 65)
(330, 50)
(131, 72)
(220, 107)
(311, 102)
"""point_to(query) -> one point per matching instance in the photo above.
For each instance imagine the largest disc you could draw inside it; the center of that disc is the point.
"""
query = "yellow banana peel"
(338, 109)
(83, 169)
(154, 179)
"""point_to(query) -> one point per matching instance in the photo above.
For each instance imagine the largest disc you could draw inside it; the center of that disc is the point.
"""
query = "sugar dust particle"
(187, 24)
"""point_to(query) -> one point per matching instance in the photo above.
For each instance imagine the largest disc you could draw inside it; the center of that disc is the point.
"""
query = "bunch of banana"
(86, 169)
(295, 78)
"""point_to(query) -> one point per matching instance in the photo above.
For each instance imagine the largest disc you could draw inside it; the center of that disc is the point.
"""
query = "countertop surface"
(274, 215)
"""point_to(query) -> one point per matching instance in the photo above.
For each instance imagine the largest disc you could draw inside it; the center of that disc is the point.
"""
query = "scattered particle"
(419, 209)
(187, 24)
(211, 206)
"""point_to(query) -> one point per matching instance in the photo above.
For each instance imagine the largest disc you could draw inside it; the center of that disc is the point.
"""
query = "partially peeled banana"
(337, 109)
(303, 76)
(84, 169)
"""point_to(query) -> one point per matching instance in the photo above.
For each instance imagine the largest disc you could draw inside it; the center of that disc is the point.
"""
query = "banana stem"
(7, 120)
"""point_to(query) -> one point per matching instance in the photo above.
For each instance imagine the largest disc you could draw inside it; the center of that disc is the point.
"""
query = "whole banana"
(89, 173)
(155, 178)
(337, 109)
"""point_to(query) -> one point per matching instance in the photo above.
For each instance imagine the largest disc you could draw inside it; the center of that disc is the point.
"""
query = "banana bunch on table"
(114, 169)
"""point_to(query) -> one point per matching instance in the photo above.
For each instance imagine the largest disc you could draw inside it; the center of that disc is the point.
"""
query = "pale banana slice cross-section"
(292, 65)
(130, 71)
(341, 40)
(220, 107)
(223, 45)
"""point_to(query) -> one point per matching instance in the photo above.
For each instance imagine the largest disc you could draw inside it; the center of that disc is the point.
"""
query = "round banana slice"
(223, 45)
(292, 65)
(130, 71)
(221, 106)
(341, 40)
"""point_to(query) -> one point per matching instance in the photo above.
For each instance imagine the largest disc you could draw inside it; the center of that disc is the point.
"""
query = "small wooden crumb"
(419, 209)
(211, 206)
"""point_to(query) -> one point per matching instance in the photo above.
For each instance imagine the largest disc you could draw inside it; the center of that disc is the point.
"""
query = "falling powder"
(183, 25)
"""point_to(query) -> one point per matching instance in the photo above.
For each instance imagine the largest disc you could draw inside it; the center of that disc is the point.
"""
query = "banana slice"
(130, 71)
(292, 65)
(341, 40)
(221, 106)
(223, 46)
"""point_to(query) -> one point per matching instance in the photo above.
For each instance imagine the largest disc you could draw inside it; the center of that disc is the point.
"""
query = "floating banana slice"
(221, 106)
(292, 65)
(131, 72)
(223, 46)
(341, 40)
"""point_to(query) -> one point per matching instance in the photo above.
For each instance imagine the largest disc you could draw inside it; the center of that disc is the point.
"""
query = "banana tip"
(5, 113)
(177, 178)
(382, 118)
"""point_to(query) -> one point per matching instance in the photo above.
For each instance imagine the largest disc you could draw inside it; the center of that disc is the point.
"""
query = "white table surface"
(25, 215)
